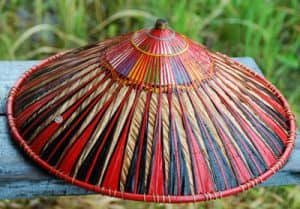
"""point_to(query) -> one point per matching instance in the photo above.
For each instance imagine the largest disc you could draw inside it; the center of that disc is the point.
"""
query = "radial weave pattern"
(152, 116)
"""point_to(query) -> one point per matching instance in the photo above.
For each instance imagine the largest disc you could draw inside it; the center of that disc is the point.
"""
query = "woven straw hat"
(151, 116)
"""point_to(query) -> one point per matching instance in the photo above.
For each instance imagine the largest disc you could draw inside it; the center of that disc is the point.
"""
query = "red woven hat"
(151, 116)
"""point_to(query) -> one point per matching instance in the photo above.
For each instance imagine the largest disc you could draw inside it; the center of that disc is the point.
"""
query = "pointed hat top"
(159, 58)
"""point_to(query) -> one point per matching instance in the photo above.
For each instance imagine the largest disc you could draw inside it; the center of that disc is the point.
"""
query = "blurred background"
(267, 30)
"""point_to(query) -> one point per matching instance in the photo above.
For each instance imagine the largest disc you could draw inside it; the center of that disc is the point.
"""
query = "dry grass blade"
(237, 21)
(44, 27)
(121, 14)
(41, 50)
(214, 14)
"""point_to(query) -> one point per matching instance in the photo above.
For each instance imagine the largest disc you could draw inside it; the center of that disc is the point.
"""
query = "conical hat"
(151, 116)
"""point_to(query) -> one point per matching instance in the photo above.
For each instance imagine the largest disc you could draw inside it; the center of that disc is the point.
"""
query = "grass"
(271, 198)
(263, 29)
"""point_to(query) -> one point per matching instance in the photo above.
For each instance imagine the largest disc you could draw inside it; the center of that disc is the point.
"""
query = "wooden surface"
(20, 178)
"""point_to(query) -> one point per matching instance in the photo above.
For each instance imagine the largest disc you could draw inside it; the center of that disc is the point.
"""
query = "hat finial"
(161, 24)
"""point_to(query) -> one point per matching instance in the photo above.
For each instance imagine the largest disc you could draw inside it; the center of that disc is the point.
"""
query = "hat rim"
(146, 197)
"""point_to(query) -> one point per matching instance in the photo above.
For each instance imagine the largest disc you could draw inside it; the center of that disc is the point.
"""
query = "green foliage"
(263, 29)
(262, 198)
